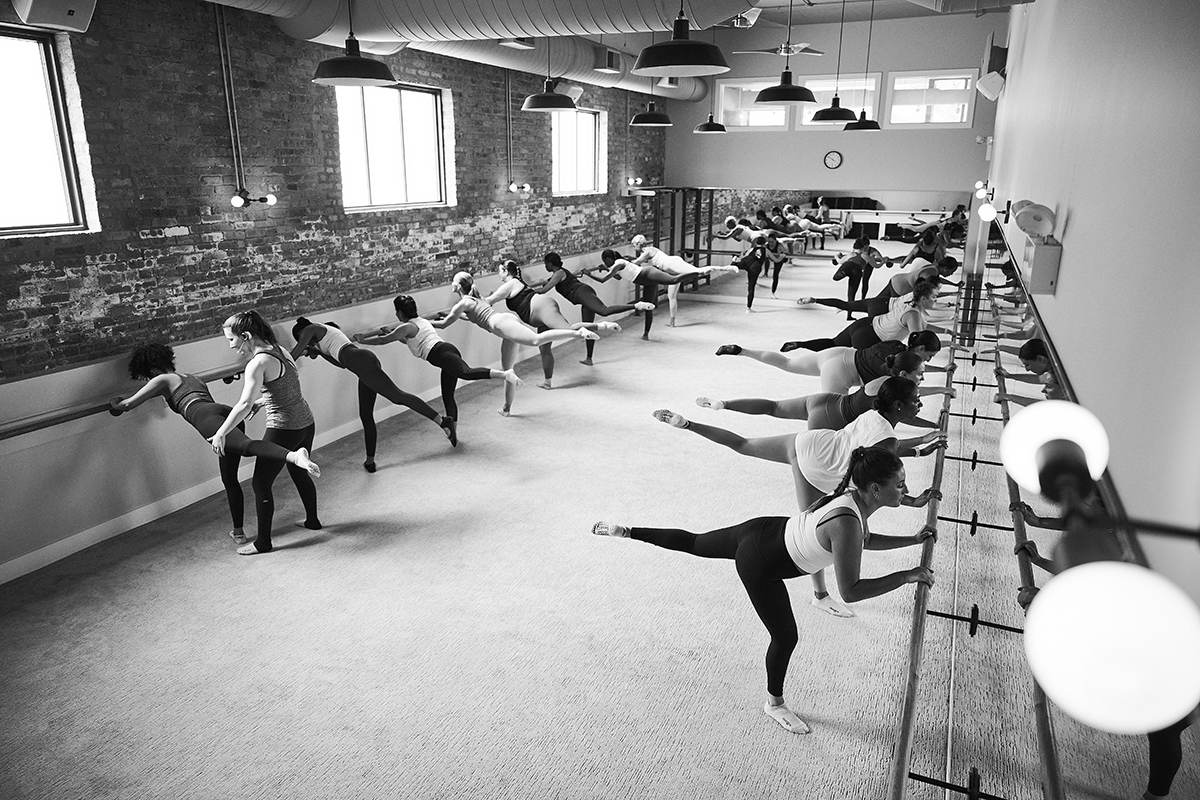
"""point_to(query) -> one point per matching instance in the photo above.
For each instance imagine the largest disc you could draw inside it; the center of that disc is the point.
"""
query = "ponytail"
(892, 391)
(301, 324)
(867, 465)
(253, 323)
(904, 361)
(926, 339)
(553, 260)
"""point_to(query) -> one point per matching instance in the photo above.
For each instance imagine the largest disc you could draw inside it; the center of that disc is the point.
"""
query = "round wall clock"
(833, 159)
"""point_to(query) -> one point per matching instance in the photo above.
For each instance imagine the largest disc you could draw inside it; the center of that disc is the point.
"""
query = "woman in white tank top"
(770, 550)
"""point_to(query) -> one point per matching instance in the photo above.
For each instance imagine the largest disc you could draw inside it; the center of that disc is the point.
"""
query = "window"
(933, 99)
(39, 153)
(736, 109)
(855, 92)
(391, 146)
(577, 151)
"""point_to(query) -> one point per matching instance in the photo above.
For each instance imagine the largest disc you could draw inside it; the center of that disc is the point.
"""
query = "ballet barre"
(48, 419)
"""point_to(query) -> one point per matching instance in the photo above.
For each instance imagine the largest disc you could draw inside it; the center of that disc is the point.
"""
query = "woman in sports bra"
(327, 341)
(424, 342)
(769, 550)
(574, 291)
(271, 373)
(188, 396)
(842, 368)
(539, 310)
(508, 327)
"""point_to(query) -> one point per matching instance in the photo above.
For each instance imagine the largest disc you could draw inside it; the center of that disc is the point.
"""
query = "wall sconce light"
(1088, 641)
(980, 185)
(633, 181)
(242, 197)
(988, 212)
(519, 187)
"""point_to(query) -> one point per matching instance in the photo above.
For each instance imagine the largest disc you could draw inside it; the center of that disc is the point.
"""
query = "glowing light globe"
(987, 212)
(1116, 646)
(1050, 420)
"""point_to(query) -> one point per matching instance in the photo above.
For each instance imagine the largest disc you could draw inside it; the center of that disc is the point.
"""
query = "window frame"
(601, 176)
(721, 84)
(65, 141)
(885, 119)
(798, 123)
(440, 106)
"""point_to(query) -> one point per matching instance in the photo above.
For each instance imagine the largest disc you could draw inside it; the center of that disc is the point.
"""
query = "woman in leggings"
(188, 396)
(504, 325)
(898, 286)
(574, 291)
(931, 247)
(539, 310)
(424, 343)
(769, 550)
(648, 255)
(907, 315)
(645, 275)
(764, 254)
(857, 268)
(328, 342)
(842, 368)
(271, 373)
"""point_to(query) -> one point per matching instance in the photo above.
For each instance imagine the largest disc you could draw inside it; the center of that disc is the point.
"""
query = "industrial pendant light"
(862, 123)
(786, 93)
(712, 126)
(680, 57)
(548, 99)
(352, 69)
(835, 112)
(651, 117)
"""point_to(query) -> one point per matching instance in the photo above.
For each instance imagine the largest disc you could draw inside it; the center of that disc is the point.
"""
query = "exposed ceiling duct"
(967, 6)
(457, 29)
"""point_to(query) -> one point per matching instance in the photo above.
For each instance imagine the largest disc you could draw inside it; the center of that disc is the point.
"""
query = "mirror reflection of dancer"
(898, 286)
(328, 342)
(645, 274)
(650, 255)
(508, 327)
(574, 291)
(188, 396)
(818, 456)
(271, 373)
(841, 368)
(425, 343)
(764, 253)
(858, 266)
(907, 315)
(540, 311)
(769, 550)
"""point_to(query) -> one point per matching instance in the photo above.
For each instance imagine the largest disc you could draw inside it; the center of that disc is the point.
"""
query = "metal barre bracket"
(974, 621)
(975, 459)
(975, 415)
(975, 523)
(971, 790)
(975, 384)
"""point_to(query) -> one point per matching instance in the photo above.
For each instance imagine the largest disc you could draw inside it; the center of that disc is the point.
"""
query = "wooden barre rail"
(48, 419)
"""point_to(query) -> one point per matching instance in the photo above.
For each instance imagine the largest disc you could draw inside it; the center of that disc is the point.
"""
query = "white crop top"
(421, 342)
(800, 534)
(332, 342)
(823, 456)
(629, 269)
(891, 326)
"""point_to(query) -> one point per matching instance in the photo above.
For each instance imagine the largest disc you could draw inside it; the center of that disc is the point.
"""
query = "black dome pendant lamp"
(835, 112)
(862, 123)
(353, 69)
(786, 93)
(548, 99)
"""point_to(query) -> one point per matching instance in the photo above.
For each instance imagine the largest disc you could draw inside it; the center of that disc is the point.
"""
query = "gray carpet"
(455, 631)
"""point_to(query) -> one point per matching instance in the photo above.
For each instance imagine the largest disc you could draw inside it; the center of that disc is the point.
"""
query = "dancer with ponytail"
(767, 551)
(842, 368)
(646, 275)
(188, 396)
(649, 255)
(540, 311)
(271, 373)
(573, 291)
(504, 325)
(908, 314)
(898, 286)
(424, 342)
(328, 342)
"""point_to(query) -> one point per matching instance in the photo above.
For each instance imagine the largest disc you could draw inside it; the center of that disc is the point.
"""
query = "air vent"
(517, 42)
(607, 61)
(669, 82)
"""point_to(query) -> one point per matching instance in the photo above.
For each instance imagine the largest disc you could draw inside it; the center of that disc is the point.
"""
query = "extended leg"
(228, 464)
(366, 415)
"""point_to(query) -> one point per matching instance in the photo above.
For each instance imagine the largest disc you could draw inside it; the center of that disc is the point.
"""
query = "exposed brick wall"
(173, 258)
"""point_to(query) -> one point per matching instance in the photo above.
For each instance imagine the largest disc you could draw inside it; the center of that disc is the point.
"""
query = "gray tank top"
(285, 406)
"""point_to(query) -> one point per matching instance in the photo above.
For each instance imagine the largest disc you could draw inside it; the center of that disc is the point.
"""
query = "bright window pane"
(855, 92)
(391, 146)
(941, 98)
(574, 151)
(736, 107)
(41, 170)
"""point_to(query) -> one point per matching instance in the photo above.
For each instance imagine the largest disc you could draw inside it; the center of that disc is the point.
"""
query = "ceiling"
(820, 12)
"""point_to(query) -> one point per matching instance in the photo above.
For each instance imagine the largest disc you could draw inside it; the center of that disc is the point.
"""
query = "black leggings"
(648, 294)
(449, 360)
(372, 382)
(1166, 754)
(757, 549)
(856, 268)
(585, 297)
(265, 472)
(859, 334)
(207, 418)
(752, 266)
(872, 307)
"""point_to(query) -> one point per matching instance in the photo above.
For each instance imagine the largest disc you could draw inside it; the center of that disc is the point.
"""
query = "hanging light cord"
(235, 139)
(787, 55)
(713, 100)
(508, 118)
(350, 16)
(837, 76)
(870, 27)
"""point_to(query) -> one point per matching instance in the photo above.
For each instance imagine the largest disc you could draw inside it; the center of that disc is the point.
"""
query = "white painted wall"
(1099, 121)
(71, 485)
(907, 170)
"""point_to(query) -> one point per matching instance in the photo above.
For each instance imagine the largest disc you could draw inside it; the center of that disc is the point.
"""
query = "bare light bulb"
(981, 193)
(237, 201)
(271, 199)
(987, 212)
(978, 184)
(512, 187)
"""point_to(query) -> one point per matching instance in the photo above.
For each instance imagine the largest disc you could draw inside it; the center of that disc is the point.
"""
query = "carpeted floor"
(455, 630)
